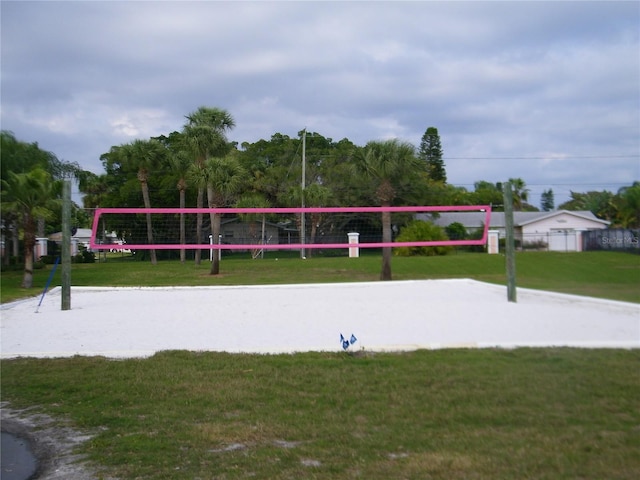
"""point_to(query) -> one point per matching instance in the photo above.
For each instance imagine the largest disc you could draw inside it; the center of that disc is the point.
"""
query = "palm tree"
(389, 164)
(142, 156)
(520, 193)
(627, 203)
(95, 189)
(223, 177)
(30, 196)
(179, 163)
(226, 177)
(205, 137)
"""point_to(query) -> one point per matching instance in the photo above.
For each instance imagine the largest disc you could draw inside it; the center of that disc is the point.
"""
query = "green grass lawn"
(600, 274)
(449, 414)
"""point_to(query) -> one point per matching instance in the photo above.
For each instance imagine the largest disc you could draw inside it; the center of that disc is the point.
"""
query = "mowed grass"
(454, 414)
(600, 274)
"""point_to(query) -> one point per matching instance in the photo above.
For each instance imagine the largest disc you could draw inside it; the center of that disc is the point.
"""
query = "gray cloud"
(553, 85)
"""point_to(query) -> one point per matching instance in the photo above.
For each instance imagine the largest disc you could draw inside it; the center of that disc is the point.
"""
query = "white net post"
(354, 252)
(493, 242)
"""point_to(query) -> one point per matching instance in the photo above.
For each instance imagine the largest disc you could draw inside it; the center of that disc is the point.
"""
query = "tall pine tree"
(546, 201)
(431, 152)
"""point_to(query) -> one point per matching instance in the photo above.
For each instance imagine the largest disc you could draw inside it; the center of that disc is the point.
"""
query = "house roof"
(476, 219)
(81, 233)
(586, 214)
(237, 220)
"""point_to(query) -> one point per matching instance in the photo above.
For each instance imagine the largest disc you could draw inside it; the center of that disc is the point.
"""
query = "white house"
(557, 231)
(82, 236)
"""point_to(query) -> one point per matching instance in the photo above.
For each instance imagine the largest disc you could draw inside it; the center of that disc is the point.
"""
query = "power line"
(548, 157)
(556, 184)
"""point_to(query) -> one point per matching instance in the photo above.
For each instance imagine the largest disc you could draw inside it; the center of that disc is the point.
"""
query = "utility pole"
(66, 245)
(510, 247)
(304, 181)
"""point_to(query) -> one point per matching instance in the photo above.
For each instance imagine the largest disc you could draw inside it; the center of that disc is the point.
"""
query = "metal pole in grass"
(46, 287)
(66, 245)
(303, 184)
(509, 242)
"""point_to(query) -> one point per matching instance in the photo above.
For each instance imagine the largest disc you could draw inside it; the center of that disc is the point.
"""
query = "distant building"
(82, 237)
(554, 231)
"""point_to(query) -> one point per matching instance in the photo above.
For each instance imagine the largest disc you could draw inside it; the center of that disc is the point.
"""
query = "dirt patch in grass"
(425, 464)
(53, 444)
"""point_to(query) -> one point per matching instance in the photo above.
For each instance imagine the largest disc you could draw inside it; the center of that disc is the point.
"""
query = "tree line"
(199, 166)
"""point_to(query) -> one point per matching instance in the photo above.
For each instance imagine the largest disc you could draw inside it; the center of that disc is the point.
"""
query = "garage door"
(563, 240)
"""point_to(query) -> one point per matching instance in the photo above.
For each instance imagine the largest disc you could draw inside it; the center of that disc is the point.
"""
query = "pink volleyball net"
(270, 228)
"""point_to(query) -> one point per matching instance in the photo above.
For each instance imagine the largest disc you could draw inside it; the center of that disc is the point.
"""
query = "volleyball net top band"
(165, 224)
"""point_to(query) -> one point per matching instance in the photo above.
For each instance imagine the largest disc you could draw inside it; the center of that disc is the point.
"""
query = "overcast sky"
(545, 91)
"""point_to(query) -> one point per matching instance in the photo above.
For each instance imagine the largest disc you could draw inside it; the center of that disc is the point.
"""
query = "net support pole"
(509, 243)
(303, 182)
(66, 245)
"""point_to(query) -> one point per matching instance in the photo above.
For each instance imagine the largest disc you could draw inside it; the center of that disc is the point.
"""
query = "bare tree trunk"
(27, 279)
(199, 204)
(182, 228)
(385, 192)
(147, 204)
(29, 244)
(262, 234)
(10, 240)
(386, 251)
(215, 228)
(215, 232)
(15, 240)
(315, 220)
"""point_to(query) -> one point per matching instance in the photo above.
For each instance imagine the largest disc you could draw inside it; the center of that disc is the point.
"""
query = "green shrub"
(12, 267)
(48, 259)
(16, 264)
(502, 242)
(420, 231)
(456, 231)
(88, 257)
(535, 245)
(476, 235)
(84, 256)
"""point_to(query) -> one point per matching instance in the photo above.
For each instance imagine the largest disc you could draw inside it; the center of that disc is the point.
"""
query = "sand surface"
(383, 316)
